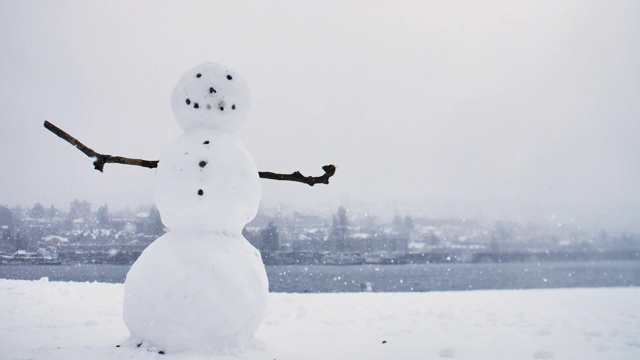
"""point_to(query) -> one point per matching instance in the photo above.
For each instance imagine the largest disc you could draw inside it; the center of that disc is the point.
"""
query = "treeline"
(40, 226)
(82, 234)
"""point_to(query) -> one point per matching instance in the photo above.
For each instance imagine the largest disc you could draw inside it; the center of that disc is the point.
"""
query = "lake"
(386, 278)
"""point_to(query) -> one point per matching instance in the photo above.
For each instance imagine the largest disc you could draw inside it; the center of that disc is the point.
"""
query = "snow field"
(62, 320)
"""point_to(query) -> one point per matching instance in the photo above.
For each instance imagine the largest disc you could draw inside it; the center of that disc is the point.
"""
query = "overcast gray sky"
(494, 109)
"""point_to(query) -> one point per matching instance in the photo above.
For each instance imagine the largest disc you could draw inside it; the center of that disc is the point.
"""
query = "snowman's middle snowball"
(207, 181)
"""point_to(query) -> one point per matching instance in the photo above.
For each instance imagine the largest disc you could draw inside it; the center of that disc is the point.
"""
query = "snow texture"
(59, 320)
(201, 286)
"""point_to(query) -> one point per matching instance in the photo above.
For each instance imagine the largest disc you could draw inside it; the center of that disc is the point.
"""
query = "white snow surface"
(62, 320)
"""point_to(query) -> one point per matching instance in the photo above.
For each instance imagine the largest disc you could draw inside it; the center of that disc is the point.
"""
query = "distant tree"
(407, 224)
(627, 241)
(7, 218)
(398, 225)
(156, 227)
(502, 231)
(102, 216)
(403, 228)
(584, 246)
(79, 209)
(340, 229)
(603, 239)
(9, 225)
(52, 212)
(37, 212)
(370, 225)
(494, 245)
(21, 242)
(432, 239)
(18, 212)
(270, 238)
(7, 239)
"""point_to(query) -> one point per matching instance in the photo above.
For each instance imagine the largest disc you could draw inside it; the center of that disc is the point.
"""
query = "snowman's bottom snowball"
(200, 292)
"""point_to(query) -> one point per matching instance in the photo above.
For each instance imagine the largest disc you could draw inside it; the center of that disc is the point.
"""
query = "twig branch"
(329, 170)
(102, 159)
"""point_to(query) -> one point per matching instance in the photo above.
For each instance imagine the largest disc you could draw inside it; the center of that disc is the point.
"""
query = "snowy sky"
(494, 109)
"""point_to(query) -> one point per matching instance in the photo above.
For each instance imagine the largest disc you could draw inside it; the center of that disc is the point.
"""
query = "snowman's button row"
(197, 106)
(202, 164)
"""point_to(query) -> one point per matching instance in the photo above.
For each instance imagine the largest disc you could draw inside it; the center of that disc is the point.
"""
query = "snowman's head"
(210, 96)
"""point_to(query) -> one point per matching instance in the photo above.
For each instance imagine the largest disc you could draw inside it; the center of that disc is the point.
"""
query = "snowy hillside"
(62, 320)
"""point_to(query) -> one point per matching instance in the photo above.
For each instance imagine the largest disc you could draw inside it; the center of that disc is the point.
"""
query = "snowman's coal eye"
(206, 142)
(212, 90)
(221, 108)
(196, 106)
(200, 192)
(233, 107)
(202, 163)
(229, 77)
(188, 102)
(199, 75)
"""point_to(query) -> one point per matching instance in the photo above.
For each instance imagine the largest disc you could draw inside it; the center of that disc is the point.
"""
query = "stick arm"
(102, 159)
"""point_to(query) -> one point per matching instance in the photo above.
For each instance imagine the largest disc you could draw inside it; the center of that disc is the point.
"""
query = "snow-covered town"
(52, 236)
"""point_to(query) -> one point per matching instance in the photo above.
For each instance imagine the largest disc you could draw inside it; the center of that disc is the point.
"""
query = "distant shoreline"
(386, 278)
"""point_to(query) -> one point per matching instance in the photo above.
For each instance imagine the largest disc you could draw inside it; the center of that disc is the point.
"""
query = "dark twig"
(101, 159)
(329, 170)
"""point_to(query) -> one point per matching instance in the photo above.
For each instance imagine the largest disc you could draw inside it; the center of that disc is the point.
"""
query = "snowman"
(202, 285)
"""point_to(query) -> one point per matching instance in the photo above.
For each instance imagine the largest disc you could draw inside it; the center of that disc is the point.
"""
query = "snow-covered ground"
(63, 320)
